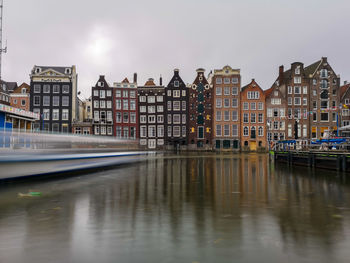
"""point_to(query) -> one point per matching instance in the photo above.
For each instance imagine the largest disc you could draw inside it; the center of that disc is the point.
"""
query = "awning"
(344, 128)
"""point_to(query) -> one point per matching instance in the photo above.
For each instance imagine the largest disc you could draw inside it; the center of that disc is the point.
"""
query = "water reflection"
(210, 208)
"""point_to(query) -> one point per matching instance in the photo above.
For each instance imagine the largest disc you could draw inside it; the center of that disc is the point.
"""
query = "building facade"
(200, 113)
(20, 97)
(5, 89)
(53, 95)
(176, 101)
(344, 106)
(324, 99)
(126, 109)
(226, 112)
(151, 115)
(102, 108)
(253, 132)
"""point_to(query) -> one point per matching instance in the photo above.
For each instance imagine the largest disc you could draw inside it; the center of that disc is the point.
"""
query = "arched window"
(245, 131)
(324, 84)
(324, 94)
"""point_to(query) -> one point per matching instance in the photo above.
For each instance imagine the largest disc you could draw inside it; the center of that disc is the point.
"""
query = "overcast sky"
(152, 37)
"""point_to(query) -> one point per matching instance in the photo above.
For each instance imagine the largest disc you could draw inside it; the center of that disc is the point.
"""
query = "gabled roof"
(150, 83)
(125, 80)
(253, 82)
(343, 90)
(310, 70)
(10, 86)
(268, 91)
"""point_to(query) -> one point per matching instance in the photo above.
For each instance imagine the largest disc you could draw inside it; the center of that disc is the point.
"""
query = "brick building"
(151, 111)
(226, 114)
(102, 101)
(176, 101)
(20, 97)
(344, 118)
(253, 132)
(126, 109)
(200, 112)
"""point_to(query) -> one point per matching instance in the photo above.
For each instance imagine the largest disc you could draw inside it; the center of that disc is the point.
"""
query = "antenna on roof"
(2, 50)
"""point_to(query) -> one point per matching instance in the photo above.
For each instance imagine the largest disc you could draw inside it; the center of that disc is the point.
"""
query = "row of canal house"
(215, 112)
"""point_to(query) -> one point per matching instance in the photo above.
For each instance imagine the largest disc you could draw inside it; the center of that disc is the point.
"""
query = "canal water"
(191, 208)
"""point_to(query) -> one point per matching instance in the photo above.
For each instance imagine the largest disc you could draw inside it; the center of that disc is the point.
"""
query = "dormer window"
(68, 71)
(37, 70)
(24, 90)
(297, 70)
(100, 83)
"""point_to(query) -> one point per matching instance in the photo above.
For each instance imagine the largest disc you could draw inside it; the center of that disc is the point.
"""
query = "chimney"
(280, 75)
(176, 71)
(160, 81)
(135, 77)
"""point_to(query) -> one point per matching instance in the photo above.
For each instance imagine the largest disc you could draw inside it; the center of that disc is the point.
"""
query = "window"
(226, 130)
(297, 101)
(37, 88)
(290, 101)
(125, 93)
(143, 131)
(102, 94)
(132, 132)
(324, 84)
(282, 113)
(56, 128)
(96, 116)
(297, 113)
(109, 104)
(176, 83)
(176, 119)
(289, 130)
(234, 115)
(103, 128)
(96, 93)
(253, 95)
(176, 105)
(125, 104)
(234, 91)
(245, 131)
(334, 117)
(218, 115)
(46, 88)
(218, 91)
(169, 93)
(56, 114)
(226, 90)
(161, 131)
(297, 90)
(55, 101)
(125, 117)
(234, 103)
(218, 103)
(109, 93)
(269, 113)
(314, 116)
(65, 101)
(314, 92)
(36, 100)
(118, 104)
(226, 103)
(297, 80)
(151, 99)
(160, 108)
(151, 119)
(118, 93)
(65, 114)
(65, 89)
(159, 98)
(289, 113)
(297, 70)
(226, 115)
(314, 105)
(304, 113)
(324, 104)
(324, 116)
(252, 117)
(151, 131)
(143, 108)
(245, 117)
(118, 116)
(290, 90)
(218, 80)
(245, 106)
(109, 115)
(253, 106)
(169, 105)
(176, 131)
(183, 118)
(160, 118)
(226, 81)
(235, 130)
(234, 80)
(169, 118)
(304, 101)
(46, 101)
(260, 106)
(102, 104)
(46, 113)
(260, 117)
(176, 93)
(275, 112)
(183, 105)
(218, 130)
(260, 131)
(305, 90)
(56, 89)
(132, 94)
(324, 73)
(275, 125)
(23, 102)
